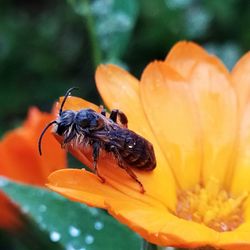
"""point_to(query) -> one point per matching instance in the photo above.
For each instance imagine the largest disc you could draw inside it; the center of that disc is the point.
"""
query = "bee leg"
(103, 110)
(113, 115)
(134, 177)
(130, 173)
(122, 117)
(96, 150)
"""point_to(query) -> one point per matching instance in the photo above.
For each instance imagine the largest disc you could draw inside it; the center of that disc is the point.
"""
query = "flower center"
(211, 206)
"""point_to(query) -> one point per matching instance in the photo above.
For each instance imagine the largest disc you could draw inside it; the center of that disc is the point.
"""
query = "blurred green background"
(47, 46)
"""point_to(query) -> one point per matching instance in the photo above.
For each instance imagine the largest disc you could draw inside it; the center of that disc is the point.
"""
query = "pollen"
(212, 206)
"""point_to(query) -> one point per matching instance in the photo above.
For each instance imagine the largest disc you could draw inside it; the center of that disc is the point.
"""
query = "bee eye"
(84, 123)
(61, 129)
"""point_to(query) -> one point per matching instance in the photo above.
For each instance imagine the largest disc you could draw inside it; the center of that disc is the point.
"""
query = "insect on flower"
(88, 127)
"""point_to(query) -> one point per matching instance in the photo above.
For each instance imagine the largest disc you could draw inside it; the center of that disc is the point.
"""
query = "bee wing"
(101, 135)
(116, 138)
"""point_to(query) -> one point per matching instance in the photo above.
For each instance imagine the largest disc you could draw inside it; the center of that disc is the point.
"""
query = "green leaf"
(111, 21)
(71, 224)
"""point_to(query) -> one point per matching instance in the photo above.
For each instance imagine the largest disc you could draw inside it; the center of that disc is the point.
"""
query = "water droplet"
(124, 21)
(42, 208)
(3, 182)
(70, 247)
(74, 232)
(98, 225)
(89, 239)
(197, 21)
(55, 236)
(74, 246)
(101, 8)
(94, 211)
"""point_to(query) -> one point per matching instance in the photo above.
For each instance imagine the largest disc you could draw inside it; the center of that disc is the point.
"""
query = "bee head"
(66, 118)
(89, 119)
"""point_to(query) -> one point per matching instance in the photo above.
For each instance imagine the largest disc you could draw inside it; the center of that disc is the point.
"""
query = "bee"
(88, 127)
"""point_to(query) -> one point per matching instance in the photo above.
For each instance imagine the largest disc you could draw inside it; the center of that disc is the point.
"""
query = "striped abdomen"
(134, 150)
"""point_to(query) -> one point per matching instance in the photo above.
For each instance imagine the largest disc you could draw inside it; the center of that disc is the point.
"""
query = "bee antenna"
(42, 134)
(65, 98)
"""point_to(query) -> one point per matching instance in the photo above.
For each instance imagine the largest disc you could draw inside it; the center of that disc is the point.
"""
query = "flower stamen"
(212, 206)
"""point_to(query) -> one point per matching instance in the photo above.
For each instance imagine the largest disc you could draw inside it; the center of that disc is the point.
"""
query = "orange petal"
(183, 57)
(159, 226)
(240, 177)
(53, 157)
(83, 186)
(19, 161)
(218, 114)
(237, 239)
(241, 79)
(172, 114)
(149, 218)
(246, 209)
(76, 103)
(120, 90)
(120, 180)
(153, 181)
(80, 185)
(217, 105)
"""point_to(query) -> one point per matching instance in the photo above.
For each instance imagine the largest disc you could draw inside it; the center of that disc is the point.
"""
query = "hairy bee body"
(88, 127)
(134, 150)
(99, 131)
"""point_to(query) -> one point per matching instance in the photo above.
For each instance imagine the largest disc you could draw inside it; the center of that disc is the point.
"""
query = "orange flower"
(20, 161)
(197, 115)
